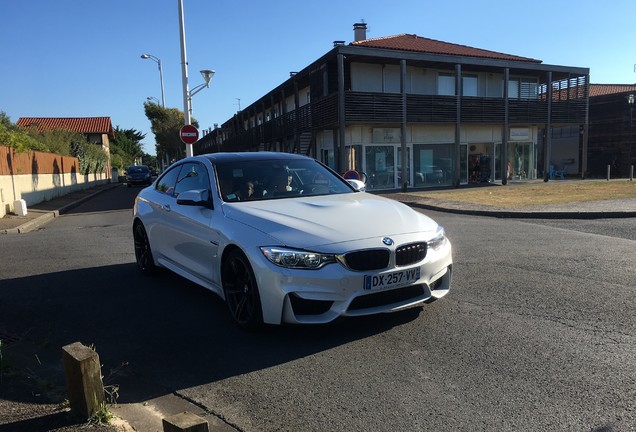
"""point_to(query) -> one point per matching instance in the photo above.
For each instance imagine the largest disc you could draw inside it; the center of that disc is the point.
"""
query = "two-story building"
(611, 133)
(408, 111)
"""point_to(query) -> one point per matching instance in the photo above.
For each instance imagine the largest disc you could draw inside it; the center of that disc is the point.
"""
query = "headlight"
(296, 259)
(439, 240)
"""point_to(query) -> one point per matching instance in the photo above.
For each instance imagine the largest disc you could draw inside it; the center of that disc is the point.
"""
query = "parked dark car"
(138, 175)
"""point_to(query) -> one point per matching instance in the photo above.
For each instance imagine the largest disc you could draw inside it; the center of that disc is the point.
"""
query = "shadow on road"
(162, 330)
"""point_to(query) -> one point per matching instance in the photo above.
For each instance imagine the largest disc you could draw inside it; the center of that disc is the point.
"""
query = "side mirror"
(198, 197)
(358, 185)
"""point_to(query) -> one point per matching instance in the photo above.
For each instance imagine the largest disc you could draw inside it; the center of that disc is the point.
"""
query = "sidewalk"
(622, 208)
(44, 212)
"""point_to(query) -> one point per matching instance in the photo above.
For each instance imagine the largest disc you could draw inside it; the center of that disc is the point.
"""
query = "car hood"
(322, 220)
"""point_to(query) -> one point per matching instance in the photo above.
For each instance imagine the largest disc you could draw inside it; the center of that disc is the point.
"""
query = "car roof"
(251, 156)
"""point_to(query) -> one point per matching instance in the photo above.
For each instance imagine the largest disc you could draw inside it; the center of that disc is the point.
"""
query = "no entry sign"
(189, 134)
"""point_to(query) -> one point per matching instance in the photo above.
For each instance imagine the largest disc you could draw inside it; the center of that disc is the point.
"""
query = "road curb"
(505, 214)
(48, 215)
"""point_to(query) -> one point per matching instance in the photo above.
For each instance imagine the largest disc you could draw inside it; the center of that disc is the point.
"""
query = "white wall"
(35, 189)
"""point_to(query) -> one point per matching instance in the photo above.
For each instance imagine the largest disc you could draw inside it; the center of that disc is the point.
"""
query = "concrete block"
(83, 379)
(185, 422)
(20, 207)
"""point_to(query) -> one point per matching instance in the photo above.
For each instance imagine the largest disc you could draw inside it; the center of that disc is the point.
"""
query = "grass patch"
(537, 193)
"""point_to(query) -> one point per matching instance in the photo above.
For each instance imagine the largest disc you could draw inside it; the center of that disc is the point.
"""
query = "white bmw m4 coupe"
(284, 239)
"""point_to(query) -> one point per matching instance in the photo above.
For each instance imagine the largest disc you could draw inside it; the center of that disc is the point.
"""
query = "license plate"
(390, 280)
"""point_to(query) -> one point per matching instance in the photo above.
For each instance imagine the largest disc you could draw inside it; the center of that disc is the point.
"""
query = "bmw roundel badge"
(387, 241)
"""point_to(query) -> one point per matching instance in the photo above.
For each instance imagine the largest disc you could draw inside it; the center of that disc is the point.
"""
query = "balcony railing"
(383, 108)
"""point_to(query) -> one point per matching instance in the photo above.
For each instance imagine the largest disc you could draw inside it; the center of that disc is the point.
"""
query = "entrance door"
(380, 166)
(481, 163)
(521, 161)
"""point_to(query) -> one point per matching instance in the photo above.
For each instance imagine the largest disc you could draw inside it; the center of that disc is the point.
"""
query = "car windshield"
(138, 169)
(277, 178)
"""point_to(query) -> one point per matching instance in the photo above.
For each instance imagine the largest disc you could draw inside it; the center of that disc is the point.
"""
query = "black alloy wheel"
(143, 254)
(241, 291)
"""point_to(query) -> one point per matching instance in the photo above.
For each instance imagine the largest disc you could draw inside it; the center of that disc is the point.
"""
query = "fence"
(36, 177)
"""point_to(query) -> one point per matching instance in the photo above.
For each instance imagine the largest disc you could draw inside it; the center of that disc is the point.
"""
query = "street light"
(187, 94)
(158, 61)
(207, 77)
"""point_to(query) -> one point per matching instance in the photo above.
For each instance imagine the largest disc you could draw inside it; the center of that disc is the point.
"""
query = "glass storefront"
(380, 166)
(429, 165)
(433, 165)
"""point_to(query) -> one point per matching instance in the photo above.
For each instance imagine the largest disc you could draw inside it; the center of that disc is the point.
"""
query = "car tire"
(143, 253)
(241, 291)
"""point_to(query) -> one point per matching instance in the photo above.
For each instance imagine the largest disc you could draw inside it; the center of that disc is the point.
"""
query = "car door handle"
(166, 207)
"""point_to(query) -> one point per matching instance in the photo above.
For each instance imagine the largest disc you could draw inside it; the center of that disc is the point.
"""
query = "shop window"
(380, 167)
(432, 164)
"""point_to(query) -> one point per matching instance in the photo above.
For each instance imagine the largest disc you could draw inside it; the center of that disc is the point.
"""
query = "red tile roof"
(607, 89)
(411, 42)
(96, 125)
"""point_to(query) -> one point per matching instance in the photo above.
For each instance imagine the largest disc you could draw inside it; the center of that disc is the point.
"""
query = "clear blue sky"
(78, 58)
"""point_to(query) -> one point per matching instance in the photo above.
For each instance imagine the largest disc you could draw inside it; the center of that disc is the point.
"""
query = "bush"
(19, 140)
(92, 158)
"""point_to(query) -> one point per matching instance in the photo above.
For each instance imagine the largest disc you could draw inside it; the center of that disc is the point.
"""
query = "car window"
(276, 178)
(166, 184)
(138, 169)
(193, 176)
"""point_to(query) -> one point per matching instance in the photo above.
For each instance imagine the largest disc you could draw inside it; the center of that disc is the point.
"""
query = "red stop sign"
(189, 134)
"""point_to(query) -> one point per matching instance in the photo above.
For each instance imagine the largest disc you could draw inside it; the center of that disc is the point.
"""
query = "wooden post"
(83, 379)
(185, 422)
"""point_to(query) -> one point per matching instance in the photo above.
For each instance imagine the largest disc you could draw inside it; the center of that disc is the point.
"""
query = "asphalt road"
(538, 332)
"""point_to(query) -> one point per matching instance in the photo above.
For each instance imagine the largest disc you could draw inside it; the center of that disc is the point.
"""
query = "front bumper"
(321, 296)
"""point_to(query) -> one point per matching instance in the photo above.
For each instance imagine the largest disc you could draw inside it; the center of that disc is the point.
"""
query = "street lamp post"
(158, 61)
(187, 94)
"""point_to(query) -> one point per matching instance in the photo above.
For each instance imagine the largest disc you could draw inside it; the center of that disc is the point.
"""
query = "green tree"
(5, 120)
(165, 125)
(126, 147)
(92, 158)
(17, 138)
(150, 160)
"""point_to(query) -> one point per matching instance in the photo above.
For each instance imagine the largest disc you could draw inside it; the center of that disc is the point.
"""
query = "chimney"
(359, 31)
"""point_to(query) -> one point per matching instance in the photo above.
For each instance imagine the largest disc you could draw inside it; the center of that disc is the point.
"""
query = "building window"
(446, 85)
(523, 88)
(469, 85)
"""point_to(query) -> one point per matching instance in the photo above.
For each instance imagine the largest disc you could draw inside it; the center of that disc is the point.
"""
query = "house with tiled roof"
(34, 177)
(407, 111)
(98, 130)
